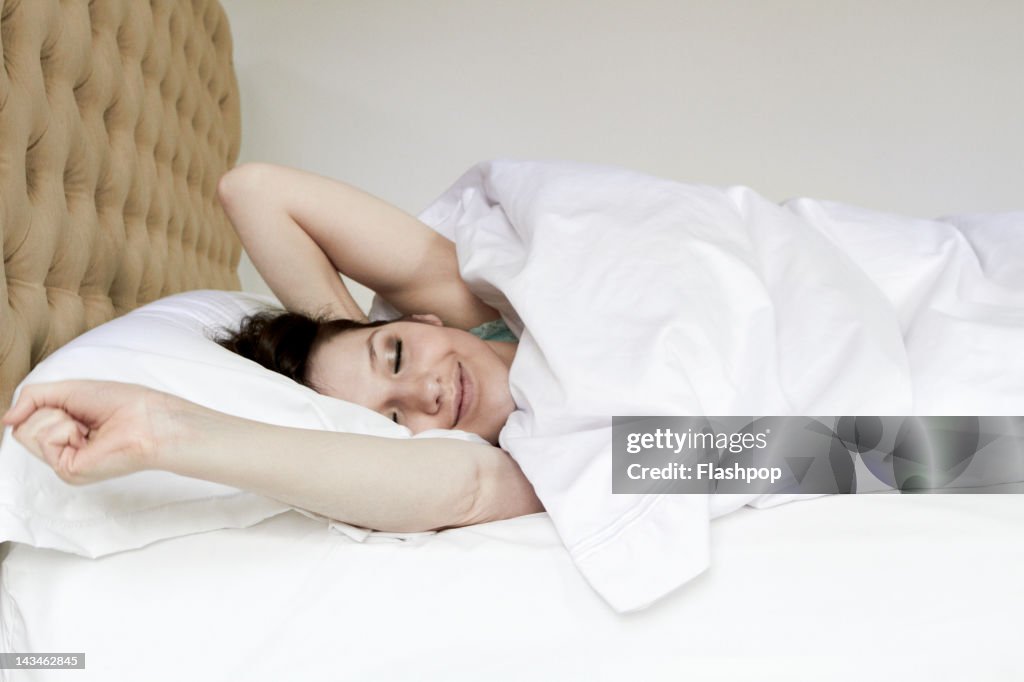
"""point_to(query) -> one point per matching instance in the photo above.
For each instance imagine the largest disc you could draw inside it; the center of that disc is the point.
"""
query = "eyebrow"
(369, 345)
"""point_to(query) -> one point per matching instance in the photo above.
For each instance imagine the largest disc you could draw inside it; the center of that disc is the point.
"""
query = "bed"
(117, 118)
(880, 587)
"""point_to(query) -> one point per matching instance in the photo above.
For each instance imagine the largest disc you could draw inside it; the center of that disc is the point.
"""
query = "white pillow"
(167, 345)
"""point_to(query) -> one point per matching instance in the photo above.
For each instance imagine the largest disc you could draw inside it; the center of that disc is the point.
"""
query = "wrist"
(175, 425)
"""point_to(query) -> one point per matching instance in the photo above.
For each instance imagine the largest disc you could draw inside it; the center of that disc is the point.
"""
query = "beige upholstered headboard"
(117, 118)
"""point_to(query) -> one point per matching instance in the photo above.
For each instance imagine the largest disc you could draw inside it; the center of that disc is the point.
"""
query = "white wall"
(908, 106)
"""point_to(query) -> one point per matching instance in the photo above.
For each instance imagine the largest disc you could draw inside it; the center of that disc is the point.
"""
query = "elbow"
(464, 504)
(244, 184)
(496, 489)
(471, 507)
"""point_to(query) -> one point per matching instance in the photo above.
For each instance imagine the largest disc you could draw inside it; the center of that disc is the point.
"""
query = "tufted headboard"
(117, 118)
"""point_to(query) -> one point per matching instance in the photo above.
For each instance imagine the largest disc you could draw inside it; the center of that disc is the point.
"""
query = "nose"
(421, 394)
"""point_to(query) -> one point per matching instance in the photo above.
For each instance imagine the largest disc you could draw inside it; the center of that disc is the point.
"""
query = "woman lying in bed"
(427, 370)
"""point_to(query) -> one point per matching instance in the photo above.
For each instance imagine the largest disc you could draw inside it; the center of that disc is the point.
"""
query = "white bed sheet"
(877, 587)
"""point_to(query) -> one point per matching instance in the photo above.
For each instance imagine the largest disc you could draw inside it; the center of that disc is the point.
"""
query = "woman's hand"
(89, 431)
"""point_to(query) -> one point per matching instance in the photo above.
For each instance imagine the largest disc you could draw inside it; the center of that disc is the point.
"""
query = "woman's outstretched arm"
(300, 229)
(90, 430)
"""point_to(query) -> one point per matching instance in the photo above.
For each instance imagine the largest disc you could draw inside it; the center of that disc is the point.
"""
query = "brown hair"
(284, 341)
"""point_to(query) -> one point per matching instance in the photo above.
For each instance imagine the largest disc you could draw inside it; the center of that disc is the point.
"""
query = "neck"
(506, 350)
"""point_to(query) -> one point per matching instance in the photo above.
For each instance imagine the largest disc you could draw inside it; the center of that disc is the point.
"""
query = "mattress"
(873, 586)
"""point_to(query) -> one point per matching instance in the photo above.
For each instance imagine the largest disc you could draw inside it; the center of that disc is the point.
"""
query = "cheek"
(496, 379)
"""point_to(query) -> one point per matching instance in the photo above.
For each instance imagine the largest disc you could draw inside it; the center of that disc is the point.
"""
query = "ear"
(429, 318)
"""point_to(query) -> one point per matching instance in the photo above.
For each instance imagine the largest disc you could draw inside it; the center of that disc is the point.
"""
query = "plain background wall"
(913, 107)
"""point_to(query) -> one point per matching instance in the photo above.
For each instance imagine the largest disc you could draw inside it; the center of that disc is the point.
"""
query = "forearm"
(379, 483)
(291, 263)
(89, 431)
(292, 221)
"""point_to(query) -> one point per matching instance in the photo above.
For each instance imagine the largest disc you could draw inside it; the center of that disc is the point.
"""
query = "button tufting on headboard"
(117, 117)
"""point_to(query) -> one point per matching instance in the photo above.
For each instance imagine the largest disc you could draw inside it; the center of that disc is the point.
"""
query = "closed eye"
(398, 364)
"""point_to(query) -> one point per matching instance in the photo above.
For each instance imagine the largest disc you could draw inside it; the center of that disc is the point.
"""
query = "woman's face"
(419, 373)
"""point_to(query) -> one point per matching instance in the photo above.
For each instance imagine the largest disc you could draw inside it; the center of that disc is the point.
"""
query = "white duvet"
(634, 295)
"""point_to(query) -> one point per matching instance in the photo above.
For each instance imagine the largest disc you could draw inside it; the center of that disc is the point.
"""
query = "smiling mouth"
(460, 392)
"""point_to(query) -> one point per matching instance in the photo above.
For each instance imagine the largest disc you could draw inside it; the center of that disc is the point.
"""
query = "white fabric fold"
(635, 295)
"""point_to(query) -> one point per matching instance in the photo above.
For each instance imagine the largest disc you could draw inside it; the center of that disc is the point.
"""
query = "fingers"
(54, 437)
(87, 401)
(32, 398)
(13, 416)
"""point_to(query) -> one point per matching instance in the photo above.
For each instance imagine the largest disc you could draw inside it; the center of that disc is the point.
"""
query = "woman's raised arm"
(300, 229)
(92, 430)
